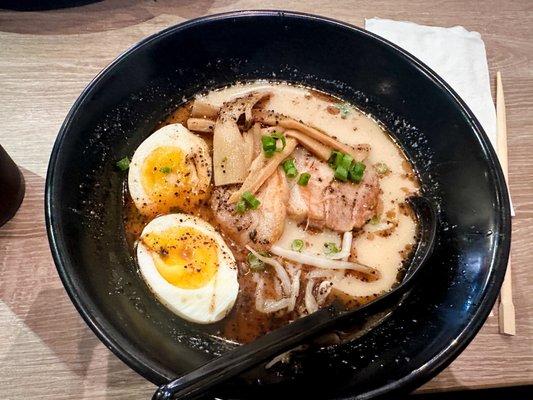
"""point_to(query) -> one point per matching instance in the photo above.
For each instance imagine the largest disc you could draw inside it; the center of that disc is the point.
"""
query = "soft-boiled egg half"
(189, 267)
(170, 171)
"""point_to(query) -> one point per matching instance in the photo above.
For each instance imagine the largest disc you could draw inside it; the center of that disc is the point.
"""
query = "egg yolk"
(169, 180)
(184, 256)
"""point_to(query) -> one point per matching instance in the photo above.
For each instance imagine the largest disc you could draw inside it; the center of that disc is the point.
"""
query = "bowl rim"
(126, 352)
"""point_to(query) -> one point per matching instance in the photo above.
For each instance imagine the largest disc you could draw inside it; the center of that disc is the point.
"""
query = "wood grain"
(46, 58)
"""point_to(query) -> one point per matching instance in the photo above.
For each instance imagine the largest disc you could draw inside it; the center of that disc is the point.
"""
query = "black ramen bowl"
(452, 155)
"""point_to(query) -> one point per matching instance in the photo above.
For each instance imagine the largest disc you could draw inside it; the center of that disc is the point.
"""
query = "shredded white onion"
(277, 288)
(292, 269)
(323, 273)
(266, 306)
(322, 262)
(295, 289)
(323, 291)
(275, 305)
(345, 249)
(259, 295)
(280, 271)
(310, 301)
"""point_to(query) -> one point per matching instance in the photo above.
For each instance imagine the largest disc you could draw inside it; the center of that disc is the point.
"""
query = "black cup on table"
(12, 187)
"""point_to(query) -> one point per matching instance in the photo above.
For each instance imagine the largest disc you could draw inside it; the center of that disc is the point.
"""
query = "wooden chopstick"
(506, 309)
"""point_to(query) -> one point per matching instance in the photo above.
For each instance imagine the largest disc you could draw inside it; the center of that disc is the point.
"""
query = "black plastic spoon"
(246, 356)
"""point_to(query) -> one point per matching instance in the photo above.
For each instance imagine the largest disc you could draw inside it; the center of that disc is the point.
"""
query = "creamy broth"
(385, 253)
(384, 243)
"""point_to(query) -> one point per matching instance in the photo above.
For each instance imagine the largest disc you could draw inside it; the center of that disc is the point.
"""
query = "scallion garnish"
(290, 168)
(247, 202)
(346, 161)
(297, 245)
(269, 145)
(165, 170)
(345, 167)
(335, 159)
(240, 207)
(255, 263)
(356, 172)
(303, 180)
(123, 164)
(341, 173)
(331, 248)
(251, 201)
(281, 138)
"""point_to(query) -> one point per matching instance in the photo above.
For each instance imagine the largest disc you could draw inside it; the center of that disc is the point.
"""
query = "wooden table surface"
(46, 59)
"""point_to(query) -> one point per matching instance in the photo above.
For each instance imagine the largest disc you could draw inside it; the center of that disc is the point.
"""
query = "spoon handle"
(244, 357)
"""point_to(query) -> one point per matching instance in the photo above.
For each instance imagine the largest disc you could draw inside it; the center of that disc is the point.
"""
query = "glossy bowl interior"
(446, 144)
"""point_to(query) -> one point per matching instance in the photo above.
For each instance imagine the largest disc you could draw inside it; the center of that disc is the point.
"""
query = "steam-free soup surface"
(382, 231)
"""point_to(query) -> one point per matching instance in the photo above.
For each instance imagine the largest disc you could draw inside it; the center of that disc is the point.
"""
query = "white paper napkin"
(457, 55)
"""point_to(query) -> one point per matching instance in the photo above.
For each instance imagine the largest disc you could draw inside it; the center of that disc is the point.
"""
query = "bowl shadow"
(87, 16)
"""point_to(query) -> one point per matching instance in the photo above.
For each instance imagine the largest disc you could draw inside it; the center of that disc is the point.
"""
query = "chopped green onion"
(292, 173)
(279, 136)
(254, 203)
(123, 164)
(247, 202)
(250, 200)
(381, 168)
(165, 170)
(344, 109)
(334, 159)
(290, 168)
(345, 167)
(375, 220)
(269, 145)
(331, 248)
(303, 180)
(341, 173)
(240, 207)
(297, 245)
(255, 263)
(356, 172)
(346, 161)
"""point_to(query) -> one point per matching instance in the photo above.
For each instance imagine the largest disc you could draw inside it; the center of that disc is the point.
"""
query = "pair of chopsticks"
(506, 311)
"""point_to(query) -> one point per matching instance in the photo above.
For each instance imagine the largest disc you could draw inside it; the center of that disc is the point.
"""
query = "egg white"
(204, 305)
(175, 135)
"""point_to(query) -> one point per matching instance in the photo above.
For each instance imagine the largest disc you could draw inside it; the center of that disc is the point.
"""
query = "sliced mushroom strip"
(201, 125)
(310, 302)
(281, 273)
(260, 172)
(314, 146)
(359, 153)
(267, 117)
